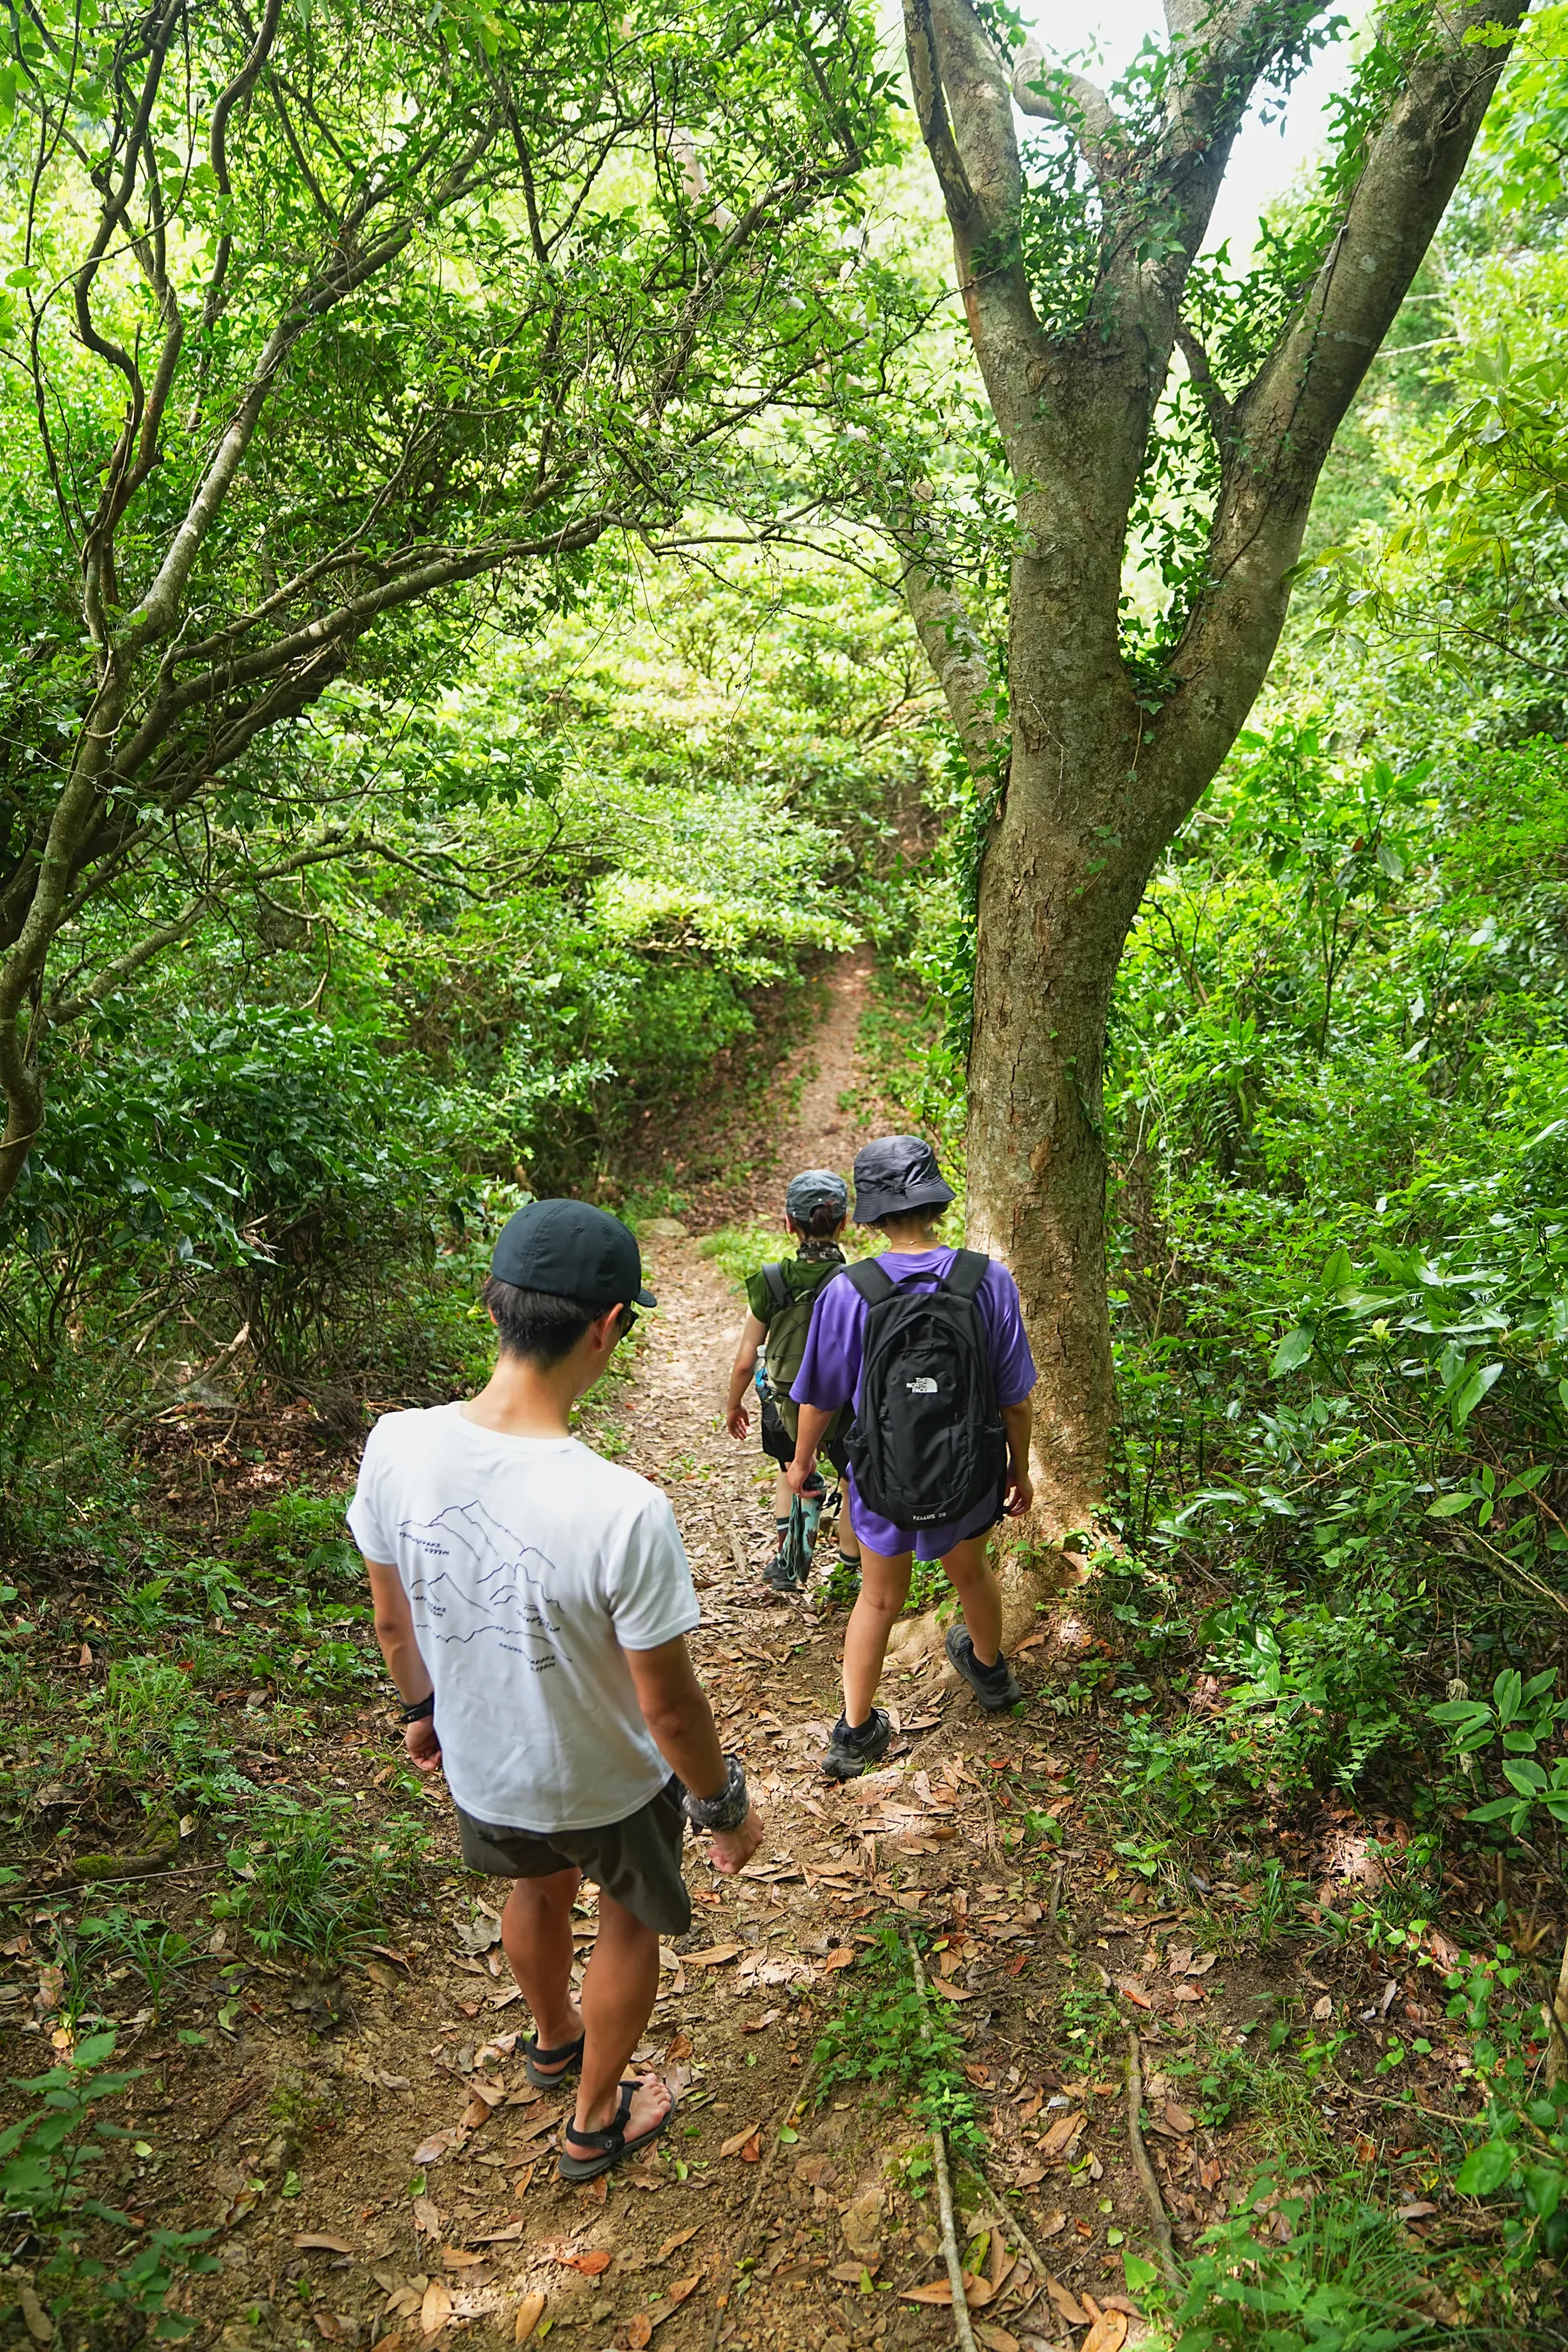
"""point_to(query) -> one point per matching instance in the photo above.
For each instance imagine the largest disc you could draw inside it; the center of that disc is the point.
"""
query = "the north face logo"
(921, 1386)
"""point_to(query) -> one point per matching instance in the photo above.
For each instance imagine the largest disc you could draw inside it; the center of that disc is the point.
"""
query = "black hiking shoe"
(779, 1575)
(994, 1687)
(849, 1751)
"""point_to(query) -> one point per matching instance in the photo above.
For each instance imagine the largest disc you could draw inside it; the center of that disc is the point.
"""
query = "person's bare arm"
(810, 1430)
(737, 1420)
(676, 1710)
(1018, 1420)
(400, 1648)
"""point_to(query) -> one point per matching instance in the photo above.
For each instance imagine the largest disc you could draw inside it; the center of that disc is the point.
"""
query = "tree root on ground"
(962, 2324)
(1158, 2216)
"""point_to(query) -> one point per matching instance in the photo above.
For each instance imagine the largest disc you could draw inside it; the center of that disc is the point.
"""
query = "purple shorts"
(926, 1543)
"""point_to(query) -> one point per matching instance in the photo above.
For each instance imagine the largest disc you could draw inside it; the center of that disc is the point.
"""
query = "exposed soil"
(368, 2149)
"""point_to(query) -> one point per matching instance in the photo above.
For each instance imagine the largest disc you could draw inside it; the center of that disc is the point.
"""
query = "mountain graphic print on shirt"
(491, 1582)
(531, 1567)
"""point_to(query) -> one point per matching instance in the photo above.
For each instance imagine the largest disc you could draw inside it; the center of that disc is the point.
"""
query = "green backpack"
(786, 1345)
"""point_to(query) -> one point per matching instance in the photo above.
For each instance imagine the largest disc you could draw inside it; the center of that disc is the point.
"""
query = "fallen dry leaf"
(1053, 2225)
(681, 2238)
(476, 2113)
(1323, 2009)
(977, 2291)
(1178, 2117)
(1202, 1964)
(736, 2142)
(639, 2331)
(995, 2338)
(529, 2312)
(426, 2217)
(35, 2319)
(759, 2024)
(429, 2150)
(843, 1958)
(1065, 2129)
(1065, 2301)
(436, 2309)
(714, 1957)
(1109, 2333)
(455, 2259)
(593, 2265)
(501, 2236)
(322, 2244)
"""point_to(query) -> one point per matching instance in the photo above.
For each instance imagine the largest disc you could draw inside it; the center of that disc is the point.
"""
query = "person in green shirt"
(779, 1300)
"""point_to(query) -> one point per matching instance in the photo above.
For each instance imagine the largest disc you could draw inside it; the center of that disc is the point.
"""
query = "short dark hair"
(536, 1324)
(928, 1213)
(822, 1221)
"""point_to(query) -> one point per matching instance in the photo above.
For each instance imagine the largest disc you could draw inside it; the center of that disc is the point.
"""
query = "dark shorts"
(638, 1861)
(779, 1446)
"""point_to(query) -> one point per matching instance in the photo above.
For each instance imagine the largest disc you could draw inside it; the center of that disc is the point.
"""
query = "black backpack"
(928, 1444)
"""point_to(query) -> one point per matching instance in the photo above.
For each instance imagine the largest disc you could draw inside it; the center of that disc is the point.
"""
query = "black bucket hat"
(895, 1175)
(815, 1188)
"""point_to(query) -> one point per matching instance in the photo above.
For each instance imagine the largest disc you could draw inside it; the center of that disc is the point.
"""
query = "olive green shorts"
(636, 1861)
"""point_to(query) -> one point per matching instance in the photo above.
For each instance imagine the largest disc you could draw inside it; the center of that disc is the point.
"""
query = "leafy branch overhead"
(318, 320)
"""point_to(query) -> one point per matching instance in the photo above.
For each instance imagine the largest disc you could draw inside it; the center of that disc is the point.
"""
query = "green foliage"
(299, 1884)
(1299, 2272)
(303, 1532)
(886, 2036)
(84, 2272)
(1523, 2161)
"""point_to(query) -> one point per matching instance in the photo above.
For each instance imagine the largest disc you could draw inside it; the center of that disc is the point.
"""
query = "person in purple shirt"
(900, 1192)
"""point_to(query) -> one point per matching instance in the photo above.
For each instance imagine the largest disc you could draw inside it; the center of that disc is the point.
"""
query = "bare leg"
(980, 1596)
(884, 1589)
(783, 1498)
(536, 1932)
(620, 1986)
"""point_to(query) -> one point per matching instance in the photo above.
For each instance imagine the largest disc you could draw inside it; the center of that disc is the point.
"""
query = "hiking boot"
(779, 1575)
(994, 1687)
(850, 1752)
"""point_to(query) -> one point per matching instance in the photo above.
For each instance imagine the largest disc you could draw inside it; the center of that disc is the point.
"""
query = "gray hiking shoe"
(997, 1686)
(850, 1752)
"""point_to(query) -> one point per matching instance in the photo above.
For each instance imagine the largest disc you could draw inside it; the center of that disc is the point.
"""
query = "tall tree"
(1145, 404)
(320, 316)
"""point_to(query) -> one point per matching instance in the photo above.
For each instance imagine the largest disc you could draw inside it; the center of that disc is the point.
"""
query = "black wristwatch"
(728, 1810)
(419, 1709)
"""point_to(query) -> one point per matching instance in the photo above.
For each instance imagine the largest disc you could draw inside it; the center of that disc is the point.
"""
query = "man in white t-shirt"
(531, 1603)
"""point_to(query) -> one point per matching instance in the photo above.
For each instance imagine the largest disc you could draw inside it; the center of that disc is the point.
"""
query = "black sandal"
(564, 2059)
(610, 2144)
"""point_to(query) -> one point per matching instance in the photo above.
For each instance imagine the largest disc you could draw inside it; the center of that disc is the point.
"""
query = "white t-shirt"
(532, 1565)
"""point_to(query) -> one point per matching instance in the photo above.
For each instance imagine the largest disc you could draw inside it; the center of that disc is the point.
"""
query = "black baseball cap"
(815, 1188)
(572, 1250)
(895, 1174)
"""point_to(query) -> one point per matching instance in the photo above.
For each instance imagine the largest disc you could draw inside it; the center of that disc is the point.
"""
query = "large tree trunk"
(1053, 915)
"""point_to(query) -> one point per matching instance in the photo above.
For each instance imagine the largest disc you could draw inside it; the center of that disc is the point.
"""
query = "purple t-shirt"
(829, 1376)
(829, 1372)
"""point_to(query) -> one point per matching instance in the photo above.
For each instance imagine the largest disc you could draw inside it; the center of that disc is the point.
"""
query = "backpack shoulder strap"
(966, 1274)
(870, 1280)
(778, 1289)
